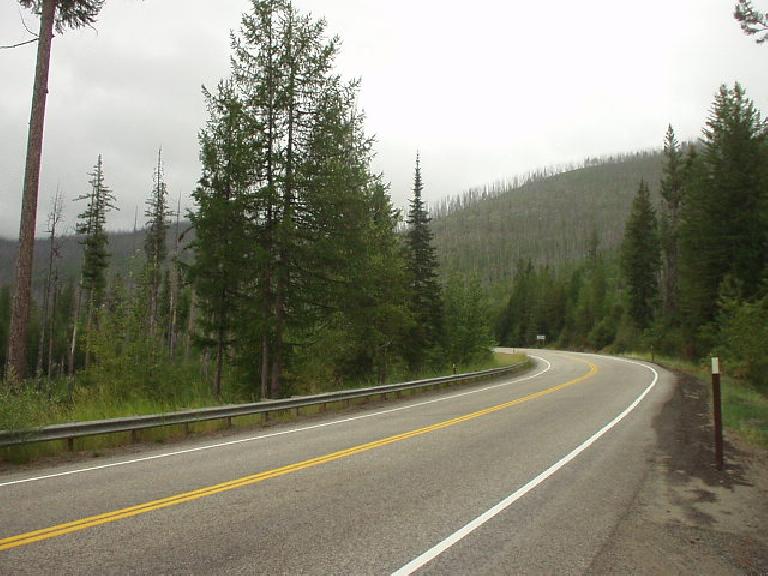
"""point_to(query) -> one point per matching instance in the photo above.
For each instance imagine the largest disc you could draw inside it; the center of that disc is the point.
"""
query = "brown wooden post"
(717, 408)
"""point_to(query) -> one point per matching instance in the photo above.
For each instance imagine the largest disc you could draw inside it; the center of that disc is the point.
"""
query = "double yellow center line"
(138, 509)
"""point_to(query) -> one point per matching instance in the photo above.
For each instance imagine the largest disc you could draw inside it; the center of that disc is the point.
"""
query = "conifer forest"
(293, 273)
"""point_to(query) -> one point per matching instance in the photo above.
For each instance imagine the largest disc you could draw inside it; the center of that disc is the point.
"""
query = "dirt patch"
(689, 517)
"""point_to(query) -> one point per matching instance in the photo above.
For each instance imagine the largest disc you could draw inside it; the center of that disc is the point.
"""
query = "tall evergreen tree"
(724, 229)
(282, 66)
(516, 326)
(640, 258)
(288, 211)
(224, 251)
(99, 201)
(426, 302)
(672, 196)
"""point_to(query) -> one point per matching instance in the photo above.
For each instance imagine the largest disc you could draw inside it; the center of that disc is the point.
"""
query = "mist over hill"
(126, 249)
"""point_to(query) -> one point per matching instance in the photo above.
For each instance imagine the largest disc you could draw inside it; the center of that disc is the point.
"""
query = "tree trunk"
(52, 324)
(75, 320)
(190, 325)
(277, 349)
(89, 329)
(46, 303)
(269, 243)
(17, 340)
(205, 363)
(285, 227)
(219, 363)
(264, 389)
(174, 290)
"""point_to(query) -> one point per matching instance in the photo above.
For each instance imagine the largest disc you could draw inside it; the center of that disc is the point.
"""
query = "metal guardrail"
(71, 430)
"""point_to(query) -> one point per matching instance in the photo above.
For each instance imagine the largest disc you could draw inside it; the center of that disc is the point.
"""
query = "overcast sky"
(484, 89)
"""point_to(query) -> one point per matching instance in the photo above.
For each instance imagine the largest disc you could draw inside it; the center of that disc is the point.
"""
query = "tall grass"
(174, 387)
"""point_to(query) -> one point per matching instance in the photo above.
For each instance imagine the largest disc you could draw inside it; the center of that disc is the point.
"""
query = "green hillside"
(549, 219)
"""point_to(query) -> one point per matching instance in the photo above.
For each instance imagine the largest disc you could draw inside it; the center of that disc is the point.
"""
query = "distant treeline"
(690, 274)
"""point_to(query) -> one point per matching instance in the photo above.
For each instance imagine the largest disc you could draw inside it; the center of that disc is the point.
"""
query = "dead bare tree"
(54, 218)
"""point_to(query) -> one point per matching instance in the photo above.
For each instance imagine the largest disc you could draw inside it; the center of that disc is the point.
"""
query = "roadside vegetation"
(745, 408)
(292, 274)
(35, 407)
(32, 407)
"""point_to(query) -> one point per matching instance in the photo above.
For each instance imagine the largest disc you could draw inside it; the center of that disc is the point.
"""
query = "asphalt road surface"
(527, 474)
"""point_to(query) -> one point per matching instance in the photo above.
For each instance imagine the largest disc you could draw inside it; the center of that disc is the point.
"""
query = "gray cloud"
(484, 90)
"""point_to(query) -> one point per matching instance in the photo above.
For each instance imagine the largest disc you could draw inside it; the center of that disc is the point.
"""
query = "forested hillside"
(124, 246)
(551, 220)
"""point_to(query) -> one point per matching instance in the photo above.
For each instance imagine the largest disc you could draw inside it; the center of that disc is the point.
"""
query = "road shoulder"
(687, 517)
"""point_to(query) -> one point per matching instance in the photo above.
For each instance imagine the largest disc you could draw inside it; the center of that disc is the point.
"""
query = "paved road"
(527, 474)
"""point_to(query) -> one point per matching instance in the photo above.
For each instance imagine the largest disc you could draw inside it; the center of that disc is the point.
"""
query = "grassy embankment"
(745, 409)
(39, 408)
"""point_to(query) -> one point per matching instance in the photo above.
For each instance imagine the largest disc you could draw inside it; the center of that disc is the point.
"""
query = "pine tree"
(224, 253)
(724, 229)
(640, 258)
(425, 302)
(672, 195)
(751, 21)
(467, 322)
(100, 200)
(281, 72)
(288, 213)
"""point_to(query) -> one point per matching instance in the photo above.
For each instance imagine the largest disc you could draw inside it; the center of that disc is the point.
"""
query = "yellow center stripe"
(90, 521)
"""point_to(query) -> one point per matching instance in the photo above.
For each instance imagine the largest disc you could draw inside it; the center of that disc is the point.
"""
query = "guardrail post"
(71, 444)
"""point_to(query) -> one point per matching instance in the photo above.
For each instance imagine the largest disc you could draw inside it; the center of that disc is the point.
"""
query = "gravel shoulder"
(688, 517)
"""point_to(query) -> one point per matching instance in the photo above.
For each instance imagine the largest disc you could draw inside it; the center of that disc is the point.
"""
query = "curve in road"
(369, 496)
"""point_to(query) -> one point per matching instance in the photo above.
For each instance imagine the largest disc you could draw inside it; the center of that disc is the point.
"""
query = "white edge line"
(280, 433)
(442, 546)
